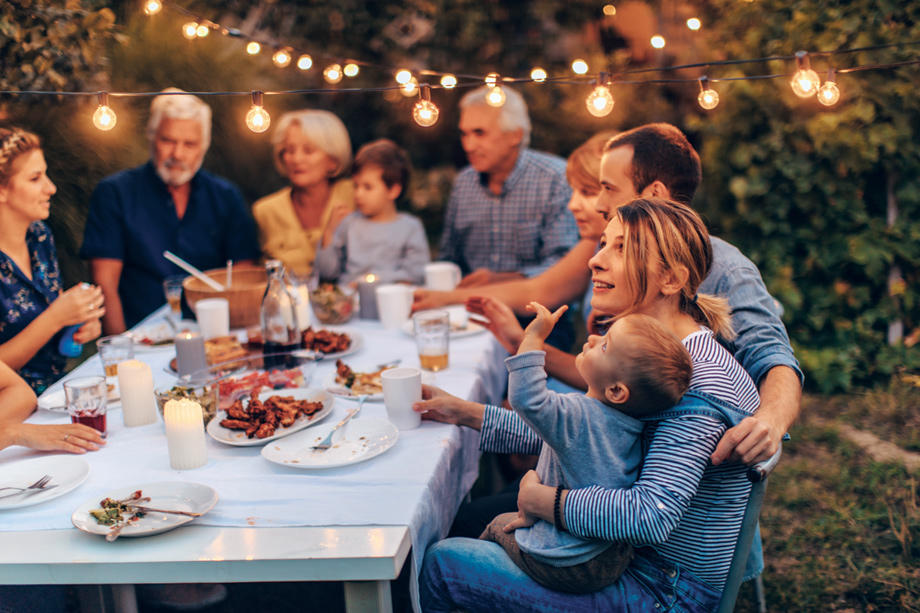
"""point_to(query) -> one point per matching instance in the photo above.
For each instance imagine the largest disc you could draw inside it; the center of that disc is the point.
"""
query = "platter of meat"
(351, 383)
(262, 417)
(331, 343)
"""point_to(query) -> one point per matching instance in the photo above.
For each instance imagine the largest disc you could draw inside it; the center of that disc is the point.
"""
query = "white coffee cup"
(394, 302)
(402, 387)
(442, 276)
(213, 316)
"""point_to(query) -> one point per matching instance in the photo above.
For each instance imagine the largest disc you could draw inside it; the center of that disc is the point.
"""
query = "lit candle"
(138, 404)
(190, 355)
(367, 295)
(185, 434)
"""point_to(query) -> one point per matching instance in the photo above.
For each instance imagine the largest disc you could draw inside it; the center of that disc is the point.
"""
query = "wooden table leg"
(368, 597)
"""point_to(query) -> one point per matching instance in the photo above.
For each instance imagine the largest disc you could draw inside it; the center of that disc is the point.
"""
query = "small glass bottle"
(278, 317)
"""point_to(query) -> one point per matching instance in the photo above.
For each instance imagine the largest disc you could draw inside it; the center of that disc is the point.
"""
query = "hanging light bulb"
(202, 30)
(658, 41)
(257, 119)
(351, 70)
(425, 113)
(190, 30)
(708, 97)
(305, 62)
(402, 76)
(495, 96)
(609, 10)
(805, 81)
(282, 57)
(152, 7)
(538, 75)
(492, 79)
(409, 88)
(829, 93)
(694, 23)
(600, 100)
(580, 66)
(104, 118)
(448, 81)
(253, 48)
(333, 73)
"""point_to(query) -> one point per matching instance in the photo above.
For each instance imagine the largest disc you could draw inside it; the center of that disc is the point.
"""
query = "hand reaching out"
(423, 299)
(81, 303)
(500, 320)
(544, 322)
(438, 405)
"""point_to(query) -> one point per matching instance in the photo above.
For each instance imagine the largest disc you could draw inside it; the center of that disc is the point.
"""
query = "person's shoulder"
(716, 371)
(272, 201)
(216, 181)
(727, 256)
(128, 176)
(408, 219)
(39, 231)
(544, 161)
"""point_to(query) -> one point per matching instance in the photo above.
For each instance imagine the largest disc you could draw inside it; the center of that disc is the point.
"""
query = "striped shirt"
(687, 509)
(526, 228)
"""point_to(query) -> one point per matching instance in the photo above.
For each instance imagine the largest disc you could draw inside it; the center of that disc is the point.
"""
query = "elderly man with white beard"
(169, 203)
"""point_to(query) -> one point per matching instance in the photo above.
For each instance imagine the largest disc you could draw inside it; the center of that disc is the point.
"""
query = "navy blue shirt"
(23, 299)
(132, 218)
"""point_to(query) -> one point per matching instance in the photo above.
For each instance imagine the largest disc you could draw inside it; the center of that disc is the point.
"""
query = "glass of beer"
(432, 335)
(172, 287)
(113, 350)
(86, 402)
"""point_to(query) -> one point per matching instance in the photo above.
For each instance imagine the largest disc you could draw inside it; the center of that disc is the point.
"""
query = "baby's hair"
(657, 366)
(14, 143)
(390, 158)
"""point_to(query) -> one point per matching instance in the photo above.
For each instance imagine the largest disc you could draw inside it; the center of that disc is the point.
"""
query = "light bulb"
(425, 113)
(708, 99)
(152, 7)
(829, 94)
(448, 81)
(495, 96)
(257, 119)
(333, 73)
(190, 30)
(538, 75)
(351, 70)
(610, 10)
(658, 41)
(281, 58)
(202, 30)
(805, 81)
(104, 118)
(600, 101)
(694, 23)
(409, 88)
(580, 66)
(492, 79)
(253, 48)
(305, 62)
(402, 76)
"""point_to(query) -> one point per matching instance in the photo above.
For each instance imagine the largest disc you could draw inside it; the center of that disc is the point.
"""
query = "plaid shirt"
(525, 229)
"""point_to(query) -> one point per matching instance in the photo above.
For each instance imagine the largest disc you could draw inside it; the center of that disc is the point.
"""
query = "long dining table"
(357, 524)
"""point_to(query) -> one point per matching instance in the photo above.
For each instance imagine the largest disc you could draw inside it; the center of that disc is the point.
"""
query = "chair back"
(757, 474)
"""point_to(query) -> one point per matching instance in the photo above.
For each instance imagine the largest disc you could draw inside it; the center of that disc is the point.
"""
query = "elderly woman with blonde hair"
(313, 150)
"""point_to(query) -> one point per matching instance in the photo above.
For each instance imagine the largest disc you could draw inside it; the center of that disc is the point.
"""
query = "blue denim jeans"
(474, 575)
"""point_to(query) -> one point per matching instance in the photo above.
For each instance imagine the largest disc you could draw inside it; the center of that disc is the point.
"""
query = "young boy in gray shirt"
(635, 370)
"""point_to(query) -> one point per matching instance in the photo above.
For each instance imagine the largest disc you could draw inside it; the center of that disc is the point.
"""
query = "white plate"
(66, 471)
(337, 389)
(363, 439)
(471, 329)
(170, 495)
(238, 437)
(56, 401)
(357, 341)
(158, 334)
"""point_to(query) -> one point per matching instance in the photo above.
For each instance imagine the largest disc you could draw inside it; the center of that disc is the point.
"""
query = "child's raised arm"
(536, 332)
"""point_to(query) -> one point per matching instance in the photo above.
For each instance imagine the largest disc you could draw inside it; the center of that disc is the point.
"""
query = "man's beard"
(175, 173)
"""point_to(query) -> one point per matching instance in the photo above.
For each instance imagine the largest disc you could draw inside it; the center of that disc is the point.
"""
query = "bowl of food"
(204, 394)
(244, 294)
(333, 304)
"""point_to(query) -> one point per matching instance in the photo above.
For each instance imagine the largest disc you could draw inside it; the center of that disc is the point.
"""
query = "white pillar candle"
(367, 295)
(185, 434)
(190, 354)
(138, 404)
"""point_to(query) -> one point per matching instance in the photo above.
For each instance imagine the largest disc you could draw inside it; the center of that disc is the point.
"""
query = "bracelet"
(557, 516)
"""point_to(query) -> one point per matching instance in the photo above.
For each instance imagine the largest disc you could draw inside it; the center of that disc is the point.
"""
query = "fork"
(41, 484)
(326, 443)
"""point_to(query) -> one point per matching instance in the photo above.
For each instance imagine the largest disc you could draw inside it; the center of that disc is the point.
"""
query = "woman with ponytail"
(682, 514)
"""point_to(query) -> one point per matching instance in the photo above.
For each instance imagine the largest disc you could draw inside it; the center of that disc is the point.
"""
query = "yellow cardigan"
(283, 238)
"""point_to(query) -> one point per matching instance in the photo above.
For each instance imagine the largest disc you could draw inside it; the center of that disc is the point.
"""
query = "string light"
(658, 41)
(281, 57)
(425, 113)
(152, 7)
(580, 66)
(448, 81)
(305, 62)
(538, 75)
(600, 101)
(253, 48)
(610, 10)
(805, 81)
(202, 30)
(257, 119)
(190, 30)
(402, 76)
(332, 73)
(495, 96)
(104, 118)
(708, 97)
(492, 79)
(351, 70)
(410, 87)
(694, 23)
(829, 93)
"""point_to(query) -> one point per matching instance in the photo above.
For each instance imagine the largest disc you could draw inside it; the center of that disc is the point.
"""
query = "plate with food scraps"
(236, 426)
(326, 342)
(67, 473)
(145, 510)
(158, 333)
(348, 382)
(363, 438)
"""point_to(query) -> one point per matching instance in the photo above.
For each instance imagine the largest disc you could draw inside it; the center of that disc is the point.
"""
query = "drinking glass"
(113, 350)
(87, 401)
(432, 334)
(172, 287)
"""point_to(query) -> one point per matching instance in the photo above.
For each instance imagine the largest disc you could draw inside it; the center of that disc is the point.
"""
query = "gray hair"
(513, 116)
(323, 129)
(179, 106)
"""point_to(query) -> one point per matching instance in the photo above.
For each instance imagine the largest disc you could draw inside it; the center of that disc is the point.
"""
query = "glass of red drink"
(86, 401)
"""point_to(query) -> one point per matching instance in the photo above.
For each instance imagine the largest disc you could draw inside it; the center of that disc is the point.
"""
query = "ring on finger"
(66, 436)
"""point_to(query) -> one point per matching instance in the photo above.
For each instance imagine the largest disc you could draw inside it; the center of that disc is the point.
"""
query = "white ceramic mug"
(213, 316)
(442, 276)
(402, 387)
(394, 302)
